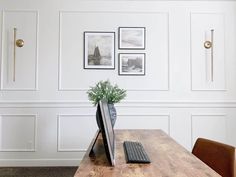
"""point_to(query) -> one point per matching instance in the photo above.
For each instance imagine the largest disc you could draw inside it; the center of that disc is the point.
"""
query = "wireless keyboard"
(135, 152)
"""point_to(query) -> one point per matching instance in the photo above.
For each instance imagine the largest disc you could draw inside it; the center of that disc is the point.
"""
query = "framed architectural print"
(132, 64)
(131, 37)
(99, 50)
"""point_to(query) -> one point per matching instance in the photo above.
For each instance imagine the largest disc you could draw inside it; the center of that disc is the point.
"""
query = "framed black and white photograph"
(131, 37)
(99, 50)
(132, 64)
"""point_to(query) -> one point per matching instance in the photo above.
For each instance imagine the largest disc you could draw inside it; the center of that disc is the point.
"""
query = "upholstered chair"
(220, 157)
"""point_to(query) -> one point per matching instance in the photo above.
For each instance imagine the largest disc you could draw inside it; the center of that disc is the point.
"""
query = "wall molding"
(149, 115)
(203, 114)
(59, 149)
(36, 51)
(191, 55)
(60, 88)
(130, 103)
(35, 117)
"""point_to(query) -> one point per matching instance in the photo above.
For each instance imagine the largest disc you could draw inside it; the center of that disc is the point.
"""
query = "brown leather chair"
(220, 157)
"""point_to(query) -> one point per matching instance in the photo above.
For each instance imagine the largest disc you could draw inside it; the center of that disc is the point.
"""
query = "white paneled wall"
(157, 35)
(144, 122)
(187, 90)
(208, 64)
(74, 127)
(18, 133)
(19, 64)
(210, 126)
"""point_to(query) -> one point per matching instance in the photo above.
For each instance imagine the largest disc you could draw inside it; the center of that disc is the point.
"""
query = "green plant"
(104, 90)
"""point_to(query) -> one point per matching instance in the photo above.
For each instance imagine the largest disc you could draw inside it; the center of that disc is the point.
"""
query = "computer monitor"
(107, 131)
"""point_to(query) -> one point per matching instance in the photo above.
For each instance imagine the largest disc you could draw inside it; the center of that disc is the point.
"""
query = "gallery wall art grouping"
(99, 50)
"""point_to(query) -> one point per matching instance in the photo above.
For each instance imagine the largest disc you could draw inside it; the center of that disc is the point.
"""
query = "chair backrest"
(220, 157)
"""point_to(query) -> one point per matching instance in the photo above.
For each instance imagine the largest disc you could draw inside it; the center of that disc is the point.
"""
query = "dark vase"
(112, 111)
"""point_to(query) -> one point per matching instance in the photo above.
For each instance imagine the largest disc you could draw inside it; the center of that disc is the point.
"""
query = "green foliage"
(104, 90)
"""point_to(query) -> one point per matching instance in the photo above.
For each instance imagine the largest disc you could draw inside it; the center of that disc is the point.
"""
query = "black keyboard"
(135, 152)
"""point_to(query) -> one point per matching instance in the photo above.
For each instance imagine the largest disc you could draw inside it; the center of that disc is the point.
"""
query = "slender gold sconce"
(17, 43)
(209, 45)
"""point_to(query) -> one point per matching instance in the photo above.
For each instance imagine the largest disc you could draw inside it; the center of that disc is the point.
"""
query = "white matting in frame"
(99, 50)
(132, 64)
(131, 38)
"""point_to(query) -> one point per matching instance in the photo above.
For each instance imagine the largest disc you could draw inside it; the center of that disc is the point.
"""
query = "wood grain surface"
(168, 158)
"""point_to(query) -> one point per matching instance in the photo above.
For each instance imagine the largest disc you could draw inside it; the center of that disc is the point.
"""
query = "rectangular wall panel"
(75, 132)
(72, 27)
(144, 122)
(207, 51)
(18, 132)
(19, 64)
(209, 126)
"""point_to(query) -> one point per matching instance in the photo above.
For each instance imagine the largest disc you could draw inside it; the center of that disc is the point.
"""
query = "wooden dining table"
(168, 158)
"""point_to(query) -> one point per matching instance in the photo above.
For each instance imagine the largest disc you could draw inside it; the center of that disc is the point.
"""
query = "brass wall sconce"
(209, 45)
(17, 43)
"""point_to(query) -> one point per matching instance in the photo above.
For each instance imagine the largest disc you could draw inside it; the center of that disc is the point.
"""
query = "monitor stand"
(91, 152)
